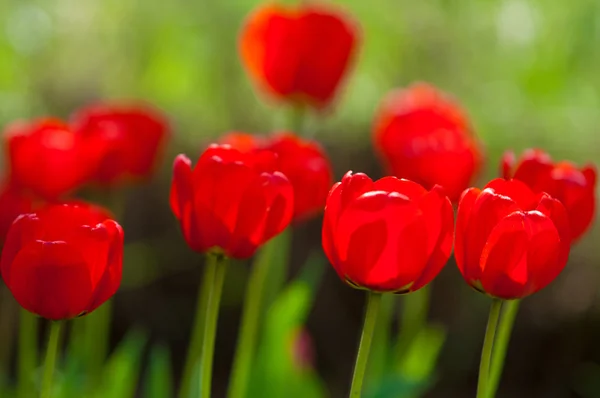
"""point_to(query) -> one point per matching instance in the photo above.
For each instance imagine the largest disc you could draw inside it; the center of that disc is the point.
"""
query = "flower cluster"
(53, 246)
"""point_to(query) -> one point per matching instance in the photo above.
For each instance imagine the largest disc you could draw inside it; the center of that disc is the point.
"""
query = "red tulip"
(13, 203)
(64, 260)
(298, 53)
(47, 158)
(131, 139)
(303, 162)
(510, 242)
(424, 136)
(574, 187)
(231, 201)
(390, 235)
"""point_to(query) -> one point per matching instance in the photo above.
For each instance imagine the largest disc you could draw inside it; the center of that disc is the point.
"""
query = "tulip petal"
(410, 189)
(463, 219)
(520, 255)
(110, 280)
(489, 208)
(439, 220)
(51, 279)
(391, 218)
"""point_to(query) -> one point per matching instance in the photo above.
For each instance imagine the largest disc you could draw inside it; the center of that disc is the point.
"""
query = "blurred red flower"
(231, 201)
(13, 203)
(390, 235)
(302, 161)
(129, 137)
(46, 158)
(510, 242)
(574, 187)
(298, 53)
(64, 260)
(423, 135)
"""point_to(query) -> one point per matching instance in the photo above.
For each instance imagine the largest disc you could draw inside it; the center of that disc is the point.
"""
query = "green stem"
(488, 345)
(297, 119)
(276, 253)
(27, 357)
(50, 362)
(96, 338)
(219, 263)
(373, 302)
(251, 316)
(505, 327)
(415, 308)
(195, 349)
(380, 350)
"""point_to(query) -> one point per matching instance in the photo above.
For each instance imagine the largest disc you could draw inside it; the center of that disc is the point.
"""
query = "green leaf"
(159, 380)
(120, 375)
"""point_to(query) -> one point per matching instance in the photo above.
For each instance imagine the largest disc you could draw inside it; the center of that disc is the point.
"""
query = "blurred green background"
(527, 71)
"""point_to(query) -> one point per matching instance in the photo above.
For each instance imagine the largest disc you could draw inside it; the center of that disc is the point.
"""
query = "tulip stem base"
(510, 308)
(218, 263)
(50, 361)
(488, 346)
(373, 303)
(197, 337)
(27, 358)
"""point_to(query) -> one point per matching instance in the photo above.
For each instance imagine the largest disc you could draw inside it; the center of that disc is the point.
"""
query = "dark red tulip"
(510, 241)
(13, 203)
(131, 138)
(391, 235)
(47, 158)
(230, 201)
(302, 161)
(574, 187)
(299, 53)
(64, 260)
(423, 135)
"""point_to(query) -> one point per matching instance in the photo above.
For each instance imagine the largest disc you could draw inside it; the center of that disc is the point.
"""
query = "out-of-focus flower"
(63, 261)
(302, 161)
(574, 187)
(230, 201)
(300, 53)
(46, 158)
(510, 242)
(13, 203)
(423, 135)
(130, 139)
(390, 235)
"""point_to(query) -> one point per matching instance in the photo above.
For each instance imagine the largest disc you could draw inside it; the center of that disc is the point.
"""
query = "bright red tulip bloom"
(423, 135)
(391, 235)
(130, 137)
(13, 203)
(64, 260)
(230, 201)
(300, 53)
(47, 158)
(302, 161)
(574, 187)
(510, 241)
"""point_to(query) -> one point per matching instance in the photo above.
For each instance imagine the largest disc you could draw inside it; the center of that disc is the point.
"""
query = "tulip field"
(299, 199)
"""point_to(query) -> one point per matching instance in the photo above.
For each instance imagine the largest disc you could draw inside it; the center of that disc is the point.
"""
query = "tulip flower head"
(47, 158)
(13, 203)
(574, 187)
(63, 260)
(391, 235)
(510, 241)
(302, 161)
(231, 201)
(424, 136)
(129, 138)
(299, 54)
